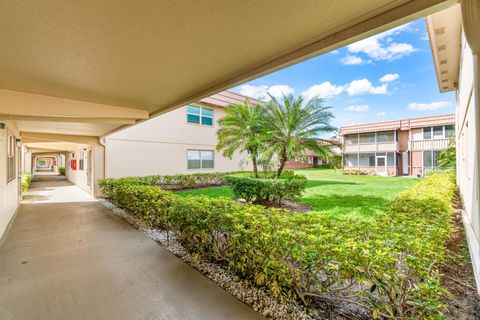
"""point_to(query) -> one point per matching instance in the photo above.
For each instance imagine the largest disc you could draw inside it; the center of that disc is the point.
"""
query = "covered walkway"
(67, 257)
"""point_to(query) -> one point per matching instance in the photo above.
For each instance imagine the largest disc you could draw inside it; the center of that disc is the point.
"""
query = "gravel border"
(259, 299)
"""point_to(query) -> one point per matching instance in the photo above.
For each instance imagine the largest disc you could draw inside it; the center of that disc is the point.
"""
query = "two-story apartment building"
(402, 147)
(311, 159)
(180, 141)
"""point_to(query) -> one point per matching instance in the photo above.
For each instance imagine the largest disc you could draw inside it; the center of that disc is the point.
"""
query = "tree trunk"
(254, 163)
(266, 165)
(283, 159)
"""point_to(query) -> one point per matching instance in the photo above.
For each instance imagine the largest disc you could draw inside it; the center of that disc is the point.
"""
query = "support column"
(98, 167)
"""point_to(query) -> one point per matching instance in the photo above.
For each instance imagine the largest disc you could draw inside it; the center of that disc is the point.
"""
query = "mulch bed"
(458, 277)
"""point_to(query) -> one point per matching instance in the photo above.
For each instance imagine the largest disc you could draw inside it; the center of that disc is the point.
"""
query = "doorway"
(405, 163)
(381, 165)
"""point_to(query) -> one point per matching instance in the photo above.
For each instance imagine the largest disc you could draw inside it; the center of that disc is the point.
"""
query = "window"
(310, 160)
(10, 157)
(81, 160)
(390, 159)
(371, 161)
(438, 132)
(367, 137)
(351, 139)
(430, 160)
(449, 131)
(386, 136)
(200, 115)
(427, 133)
(350, 160)
(200, 159)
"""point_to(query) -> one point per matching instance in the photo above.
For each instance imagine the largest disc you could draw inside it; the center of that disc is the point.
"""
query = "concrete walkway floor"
(77, 260)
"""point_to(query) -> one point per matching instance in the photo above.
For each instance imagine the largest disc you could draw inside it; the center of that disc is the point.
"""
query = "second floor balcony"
(428, 144)
(371, 147)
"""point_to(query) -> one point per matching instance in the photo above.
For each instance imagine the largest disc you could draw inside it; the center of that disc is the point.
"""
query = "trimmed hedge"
(388, 264)
(171, 182)
(267, 191)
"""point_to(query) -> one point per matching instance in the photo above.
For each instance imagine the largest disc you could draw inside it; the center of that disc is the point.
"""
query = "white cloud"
(278, 90)
(389, 77)
(253, 91)
(363, 86)
(382, 113)
(323, 90)
(351, 60)
(334, 52)
(382, 46)
(261, 92)
(361, 108)
(429, 106)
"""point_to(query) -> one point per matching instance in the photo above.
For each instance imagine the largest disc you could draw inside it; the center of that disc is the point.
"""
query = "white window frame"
(433, 167)
(432, 131)
(81, 160)
(200, 115)
(201, 151)
(11, 146)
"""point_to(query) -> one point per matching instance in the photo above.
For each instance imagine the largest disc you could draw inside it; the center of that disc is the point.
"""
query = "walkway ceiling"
(135, 59)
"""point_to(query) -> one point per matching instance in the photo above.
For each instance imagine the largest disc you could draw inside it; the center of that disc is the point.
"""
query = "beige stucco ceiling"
(44, 147)
(157, 55)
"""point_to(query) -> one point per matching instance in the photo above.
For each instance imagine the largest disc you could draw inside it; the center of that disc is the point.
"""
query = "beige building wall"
(417, 134)
(159, 146)
(9, 190)
(81, 176)
(467, 154)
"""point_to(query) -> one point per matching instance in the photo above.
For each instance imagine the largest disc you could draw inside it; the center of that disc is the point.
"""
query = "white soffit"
(444, 31)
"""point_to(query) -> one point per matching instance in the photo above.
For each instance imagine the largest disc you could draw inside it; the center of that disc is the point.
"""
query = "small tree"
(295, 126)
(243, 129)
(447, 159)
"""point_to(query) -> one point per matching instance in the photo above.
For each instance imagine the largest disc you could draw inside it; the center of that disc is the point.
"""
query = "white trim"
(473, 246)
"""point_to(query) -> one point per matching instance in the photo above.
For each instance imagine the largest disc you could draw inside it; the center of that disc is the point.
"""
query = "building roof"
(444, 32)
(224, 98)
(106, 67)
(403, 124)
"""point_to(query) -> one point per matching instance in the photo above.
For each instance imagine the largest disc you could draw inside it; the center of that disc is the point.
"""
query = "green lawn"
(330, 192)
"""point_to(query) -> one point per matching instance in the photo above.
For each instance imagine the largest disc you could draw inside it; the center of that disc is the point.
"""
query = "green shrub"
(388, 264)
(358, 172)
(267, 190)
(62, 170)
(172, 182)
(26, 178)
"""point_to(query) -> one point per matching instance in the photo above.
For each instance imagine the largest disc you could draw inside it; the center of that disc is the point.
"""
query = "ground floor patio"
(67, 257)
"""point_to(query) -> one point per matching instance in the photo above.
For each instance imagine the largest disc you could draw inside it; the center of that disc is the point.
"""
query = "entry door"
(381, 165)
(405, 163)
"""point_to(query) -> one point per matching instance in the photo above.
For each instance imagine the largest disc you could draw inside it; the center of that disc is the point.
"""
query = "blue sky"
(385, 77)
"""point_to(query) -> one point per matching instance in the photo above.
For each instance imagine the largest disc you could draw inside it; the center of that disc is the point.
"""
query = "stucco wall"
(468, 153)
(9, 193)
(78, 177)
(417, 134)
(159, 146)
(402, 139)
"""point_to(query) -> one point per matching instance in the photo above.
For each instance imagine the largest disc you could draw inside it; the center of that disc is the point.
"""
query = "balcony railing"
(371, 147)
(433, 144)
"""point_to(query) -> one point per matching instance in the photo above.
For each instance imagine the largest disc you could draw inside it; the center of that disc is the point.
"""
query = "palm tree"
(295, 127)
(243, 129)
(447, 159)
